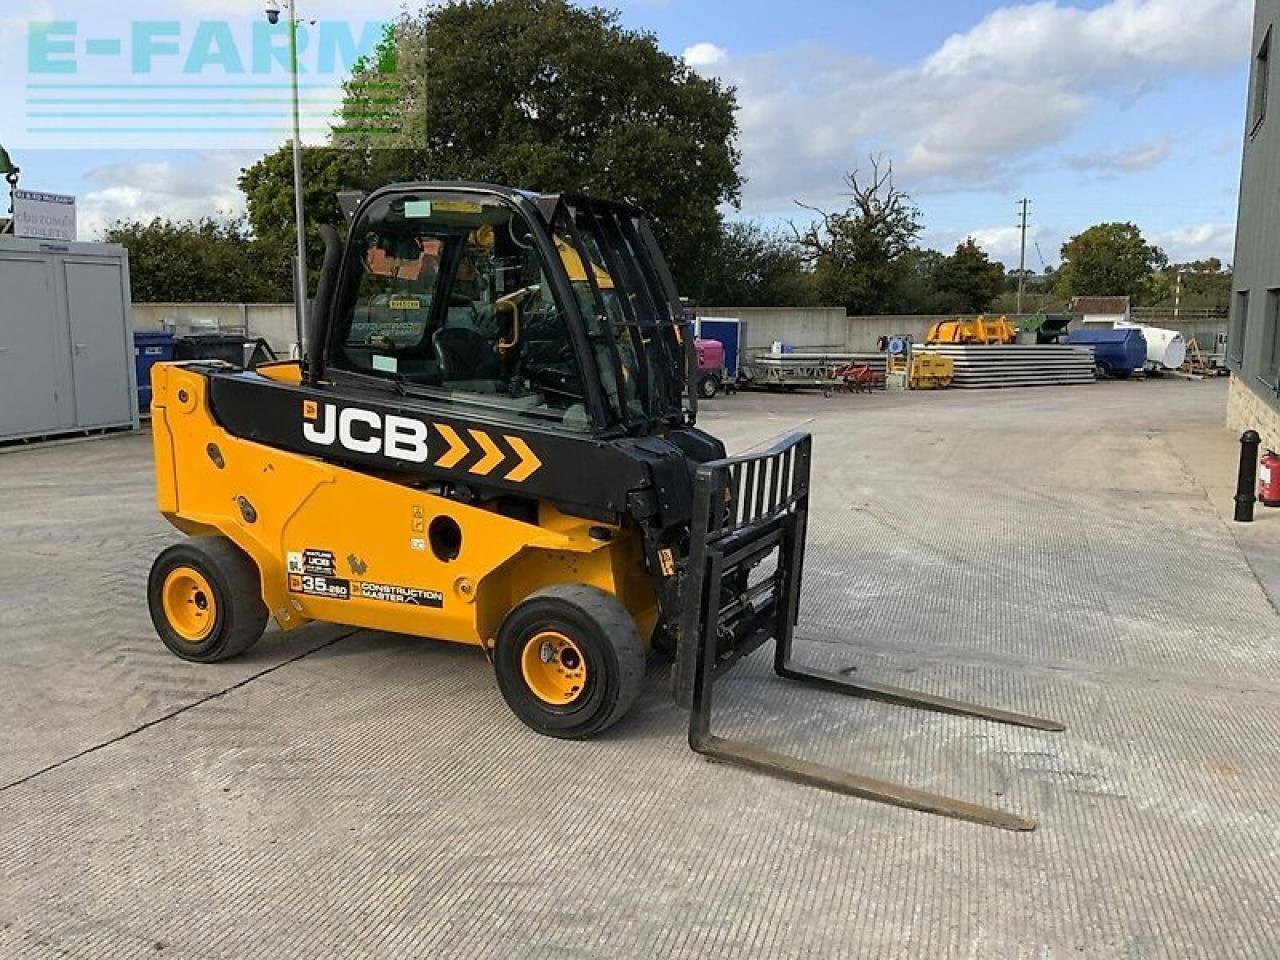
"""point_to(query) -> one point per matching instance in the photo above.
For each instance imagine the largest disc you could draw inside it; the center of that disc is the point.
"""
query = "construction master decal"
(410, 440)
(387, 593)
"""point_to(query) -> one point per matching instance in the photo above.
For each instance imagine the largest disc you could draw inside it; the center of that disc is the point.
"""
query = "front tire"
(709, 387)
(569, 661)
(205, 597)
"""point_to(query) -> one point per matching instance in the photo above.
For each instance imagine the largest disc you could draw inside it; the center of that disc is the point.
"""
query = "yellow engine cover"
(338, 545)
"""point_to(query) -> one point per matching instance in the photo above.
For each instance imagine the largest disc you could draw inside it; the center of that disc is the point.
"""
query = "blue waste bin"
(1117, 353)
(149, 348)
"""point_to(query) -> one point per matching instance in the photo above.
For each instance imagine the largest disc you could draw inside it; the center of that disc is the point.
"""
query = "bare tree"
(858, 253)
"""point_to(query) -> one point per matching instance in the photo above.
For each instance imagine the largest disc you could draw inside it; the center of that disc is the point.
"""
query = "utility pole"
(1022, 260)
(299, 206)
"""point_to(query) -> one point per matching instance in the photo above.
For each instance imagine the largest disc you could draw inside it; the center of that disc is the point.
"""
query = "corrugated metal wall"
(1255, 306)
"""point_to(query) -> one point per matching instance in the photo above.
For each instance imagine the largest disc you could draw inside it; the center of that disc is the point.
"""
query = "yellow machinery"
(978, 330)
(492, 445)
(931, 372)
(922, 371)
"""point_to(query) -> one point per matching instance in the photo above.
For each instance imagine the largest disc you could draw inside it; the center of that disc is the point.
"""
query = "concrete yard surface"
(335, 793)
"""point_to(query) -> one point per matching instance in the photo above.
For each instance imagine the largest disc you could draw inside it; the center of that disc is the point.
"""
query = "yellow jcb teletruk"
(492, 441)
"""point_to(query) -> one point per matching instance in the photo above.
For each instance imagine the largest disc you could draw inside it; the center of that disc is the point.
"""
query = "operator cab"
(550, 311)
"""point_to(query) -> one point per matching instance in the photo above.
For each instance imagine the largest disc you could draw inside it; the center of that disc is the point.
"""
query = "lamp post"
(300, 312)
(9, 170)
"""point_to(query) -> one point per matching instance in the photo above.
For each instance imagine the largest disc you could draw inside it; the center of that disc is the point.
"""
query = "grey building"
(1253, 343)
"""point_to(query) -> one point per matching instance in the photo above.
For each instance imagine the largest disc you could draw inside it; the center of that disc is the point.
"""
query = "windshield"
(632, 318)
(450, 300)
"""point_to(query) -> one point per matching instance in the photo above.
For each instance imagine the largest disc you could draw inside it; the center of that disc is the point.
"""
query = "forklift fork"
(747, 511)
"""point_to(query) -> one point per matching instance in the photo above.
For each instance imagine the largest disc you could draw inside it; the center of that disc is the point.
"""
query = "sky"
(1094, 110)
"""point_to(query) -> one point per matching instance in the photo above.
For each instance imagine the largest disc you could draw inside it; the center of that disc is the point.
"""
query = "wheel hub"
(189, 604)
(554, 668)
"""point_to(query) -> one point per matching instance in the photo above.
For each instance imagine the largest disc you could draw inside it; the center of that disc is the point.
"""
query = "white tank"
(1165, 348)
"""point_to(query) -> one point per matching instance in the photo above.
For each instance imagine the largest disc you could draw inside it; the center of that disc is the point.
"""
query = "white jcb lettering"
(322, 435)
(371, 443)
(406, 440)
(363, 431)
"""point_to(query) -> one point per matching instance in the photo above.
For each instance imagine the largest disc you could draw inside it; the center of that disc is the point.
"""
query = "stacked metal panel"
(807, 367)
(980, 366)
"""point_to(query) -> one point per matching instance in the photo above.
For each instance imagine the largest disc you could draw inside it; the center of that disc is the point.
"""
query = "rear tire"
(205, 597)
(569, 661)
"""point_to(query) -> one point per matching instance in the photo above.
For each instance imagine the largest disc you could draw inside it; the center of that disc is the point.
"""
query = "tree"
(967, 281)
(918, 290)
(1206, 285)
(540, 94)
(268, 189)
(754, 267)
(1110, 259)
(860, 255)
(201, 261)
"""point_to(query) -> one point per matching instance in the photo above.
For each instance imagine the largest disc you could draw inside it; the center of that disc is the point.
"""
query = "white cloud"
(1124, 40)
(14, 23)
(1001, 243)
(705, 55)
(1198, 242)
(205, 186)
(1144, 156)
(976, 112)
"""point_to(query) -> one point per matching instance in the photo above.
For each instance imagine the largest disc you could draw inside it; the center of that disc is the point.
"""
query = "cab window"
(451, 301)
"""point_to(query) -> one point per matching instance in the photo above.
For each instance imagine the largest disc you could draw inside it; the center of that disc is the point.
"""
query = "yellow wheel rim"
(189, 605)
(554, 668)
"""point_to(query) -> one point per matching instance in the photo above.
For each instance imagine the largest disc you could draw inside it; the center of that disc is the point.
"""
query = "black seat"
(465, 355)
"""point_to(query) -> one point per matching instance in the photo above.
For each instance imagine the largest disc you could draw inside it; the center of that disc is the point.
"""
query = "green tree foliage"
(917, 292)
(532, 93)
(202, 261)
(754, 267)
(268, 188)
(1206, 285)
(861, 255)
(1110, 259)
(967, 281)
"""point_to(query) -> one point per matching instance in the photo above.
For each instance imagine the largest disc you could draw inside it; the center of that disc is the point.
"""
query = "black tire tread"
(234, 576)
(619, 629)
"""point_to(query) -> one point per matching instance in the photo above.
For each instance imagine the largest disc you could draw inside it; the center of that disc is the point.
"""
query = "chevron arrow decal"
(457, 448)
(492, 454)
(529, 462)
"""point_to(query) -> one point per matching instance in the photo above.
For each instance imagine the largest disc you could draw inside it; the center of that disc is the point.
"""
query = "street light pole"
(9, 170)
(300, 312)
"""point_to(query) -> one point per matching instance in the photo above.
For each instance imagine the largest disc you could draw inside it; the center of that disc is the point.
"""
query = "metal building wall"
(1257, 257)
(66, 344)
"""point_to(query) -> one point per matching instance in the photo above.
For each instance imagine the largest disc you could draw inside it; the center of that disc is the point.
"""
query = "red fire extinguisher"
(1269, 479)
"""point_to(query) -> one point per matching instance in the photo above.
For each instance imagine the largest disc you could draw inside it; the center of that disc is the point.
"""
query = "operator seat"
(467, 360)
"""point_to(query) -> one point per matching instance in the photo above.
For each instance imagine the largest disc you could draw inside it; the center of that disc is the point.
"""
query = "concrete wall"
(827, 328)
(274, 322)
